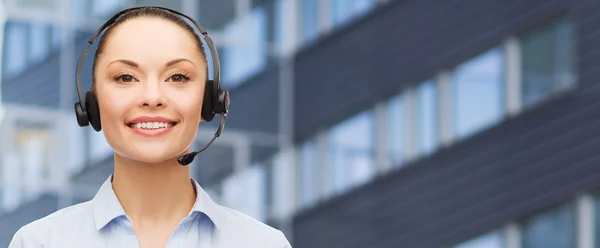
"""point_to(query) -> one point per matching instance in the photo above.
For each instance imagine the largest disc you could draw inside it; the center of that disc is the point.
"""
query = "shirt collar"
(106, 205)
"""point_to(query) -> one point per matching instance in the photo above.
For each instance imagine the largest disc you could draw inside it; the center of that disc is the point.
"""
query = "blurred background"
(354, 123)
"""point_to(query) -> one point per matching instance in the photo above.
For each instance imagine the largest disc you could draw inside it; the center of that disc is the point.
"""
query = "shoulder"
(250, 231)
(61, 222)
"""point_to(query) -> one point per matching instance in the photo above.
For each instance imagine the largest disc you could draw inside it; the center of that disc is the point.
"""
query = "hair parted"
(145, 12)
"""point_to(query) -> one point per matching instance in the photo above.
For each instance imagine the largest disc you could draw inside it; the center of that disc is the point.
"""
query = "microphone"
(188, 158)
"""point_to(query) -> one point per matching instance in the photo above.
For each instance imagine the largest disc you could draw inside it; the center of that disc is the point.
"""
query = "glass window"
(258, 183)
(426, 113)
(492, 240)
(395, 126)
(547, 55)
(56, 36)
(32, 145)
(279, 22)
(310, 19)
(244, 191)
(345, 10)
(551, 229)
(478, 93)
(285, 38)
(597, 221)
(283, 186)
(39, 41)
(351, 152)
(11, 178)
(16, 48)
(103, 8)
(308, 161)
(246, 54)
(79, 10)
(233, 192)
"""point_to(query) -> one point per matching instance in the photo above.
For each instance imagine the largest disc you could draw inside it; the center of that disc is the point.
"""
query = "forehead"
(151, 37)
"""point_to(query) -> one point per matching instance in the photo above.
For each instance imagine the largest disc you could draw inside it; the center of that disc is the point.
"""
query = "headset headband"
(112, 20)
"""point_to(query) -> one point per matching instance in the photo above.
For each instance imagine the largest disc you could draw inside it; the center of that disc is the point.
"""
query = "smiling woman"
(150, 92)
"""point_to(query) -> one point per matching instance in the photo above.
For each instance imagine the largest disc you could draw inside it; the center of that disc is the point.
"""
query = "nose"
(153, 95)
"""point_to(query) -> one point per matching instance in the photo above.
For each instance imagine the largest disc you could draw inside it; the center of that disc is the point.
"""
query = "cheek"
(190, 107)
(112, 110)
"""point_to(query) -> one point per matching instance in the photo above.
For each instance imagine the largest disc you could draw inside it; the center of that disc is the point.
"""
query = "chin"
(150, 156)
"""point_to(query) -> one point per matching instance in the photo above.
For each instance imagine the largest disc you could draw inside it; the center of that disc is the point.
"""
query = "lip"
(150, 119)
(151, 132)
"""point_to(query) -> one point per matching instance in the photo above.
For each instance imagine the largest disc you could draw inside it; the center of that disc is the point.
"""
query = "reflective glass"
(351, 152)
(282, 177)
(547, 55)
(244, 191)
(551, 229)
(39, 37)
(478, 93)
(492, 240)
(16, 48)
(309, 172)
(395, 128)
(246, 54)
(310, 19)
(346, 10)
(103, 8)
(56, 36)
(426, 113)
(597, 221)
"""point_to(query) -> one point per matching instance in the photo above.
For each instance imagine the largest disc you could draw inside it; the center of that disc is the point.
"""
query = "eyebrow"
(133, 64)
(124, 61)
(175, 61)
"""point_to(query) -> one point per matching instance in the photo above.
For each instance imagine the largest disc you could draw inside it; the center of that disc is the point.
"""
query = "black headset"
(215, 102)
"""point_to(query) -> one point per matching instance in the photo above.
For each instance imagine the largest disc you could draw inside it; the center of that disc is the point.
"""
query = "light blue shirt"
(102, 222)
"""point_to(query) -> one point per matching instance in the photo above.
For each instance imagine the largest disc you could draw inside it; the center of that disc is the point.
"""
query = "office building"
(354, 123)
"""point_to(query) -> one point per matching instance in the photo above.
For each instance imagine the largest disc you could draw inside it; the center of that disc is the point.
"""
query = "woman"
(149, 78)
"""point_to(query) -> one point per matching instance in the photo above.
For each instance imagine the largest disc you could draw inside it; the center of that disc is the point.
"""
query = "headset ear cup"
(208, 101)
(93, 110)
(222, 103)
(82, 117)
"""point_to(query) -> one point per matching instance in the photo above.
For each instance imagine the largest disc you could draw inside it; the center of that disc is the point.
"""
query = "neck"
(153, 194)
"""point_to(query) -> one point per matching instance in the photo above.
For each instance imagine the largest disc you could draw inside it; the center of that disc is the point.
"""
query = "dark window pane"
(547, 61)
(551, 229)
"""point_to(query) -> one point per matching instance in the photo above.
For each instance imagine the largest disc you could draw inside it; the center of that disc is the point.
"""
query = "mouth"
(151, 126)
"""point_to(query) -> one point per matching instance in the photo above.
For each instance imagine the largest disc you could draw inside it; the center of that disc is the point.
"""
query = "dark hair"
(145, 12)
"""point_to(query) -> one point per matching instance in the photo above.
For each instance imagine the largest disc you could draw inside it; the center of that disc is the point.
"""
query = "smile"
(151, 126)
(151, 129)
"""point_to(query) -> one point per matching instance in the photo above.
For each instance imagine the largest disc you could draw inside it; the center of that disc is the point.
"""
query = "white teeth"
(151, 125)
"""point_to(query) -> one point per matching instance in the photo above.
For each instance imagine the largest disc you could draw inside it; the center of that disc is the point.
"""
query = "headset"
(215, 102)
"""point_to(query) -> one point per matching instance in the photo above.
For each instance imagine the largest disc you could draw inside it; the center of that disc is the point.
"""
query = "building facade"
(354, 123)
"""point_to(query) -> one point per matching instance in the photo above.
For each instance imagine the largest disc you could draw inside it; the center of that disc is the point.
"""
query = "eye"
(125, 78)
(178, 78)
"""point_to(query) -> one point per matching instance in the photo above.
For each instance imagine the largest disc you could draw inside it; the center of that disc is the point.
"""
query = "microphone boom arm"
(188, 158)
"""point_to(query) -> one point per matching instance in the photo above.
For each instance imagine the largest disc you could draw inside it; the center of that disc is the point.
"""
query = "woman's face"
(150, 85)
